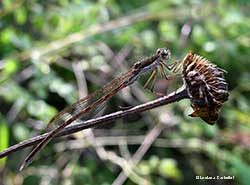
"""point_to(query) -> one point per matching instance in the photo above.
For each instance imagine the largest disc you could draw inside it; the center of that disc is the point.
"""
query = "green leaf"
(4, 141)
(82, 174)
(21, 132)
(21, 15)
(144, 168)
(10, 66)
(168, 168)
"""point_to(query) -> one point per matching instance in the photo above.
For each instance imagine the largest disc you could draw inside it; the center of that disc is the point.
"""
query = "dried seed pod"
(206, 87)
(209, 114)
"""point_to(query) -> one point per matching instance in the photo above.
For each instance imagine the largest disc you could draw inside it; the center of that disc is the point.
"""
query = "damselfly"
(93, 102)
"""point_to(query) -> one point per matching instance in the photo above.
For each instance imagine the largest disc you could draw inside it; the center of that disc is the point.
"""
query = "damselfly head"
(164, 53)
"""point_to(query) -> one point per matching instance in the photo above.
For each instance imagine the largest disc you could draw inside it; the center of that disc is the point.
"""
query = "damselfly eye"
(166, 54)
(158, 51)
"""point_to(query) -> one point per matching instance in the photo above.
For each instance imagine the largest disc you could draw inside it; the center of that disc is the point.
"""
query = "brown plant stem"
(178, 95)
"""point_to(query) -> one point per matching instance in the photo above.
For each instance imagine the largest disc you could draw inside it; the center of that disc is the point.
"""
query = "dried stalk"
(178, 95)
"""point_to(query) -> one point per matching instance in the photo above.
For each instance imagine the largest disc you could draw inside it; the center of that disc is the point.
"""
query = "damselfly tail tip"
(24, 165)
(27, 161)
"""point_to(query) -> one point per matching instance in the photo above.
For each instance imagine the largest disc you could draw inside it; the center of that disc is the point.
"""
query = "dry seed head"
(206, 86)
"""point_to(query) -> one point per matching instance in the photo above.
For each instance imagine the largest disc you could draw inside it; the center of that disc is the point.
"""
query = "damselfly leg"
(174, 67)
(151, 80)
(150, 84)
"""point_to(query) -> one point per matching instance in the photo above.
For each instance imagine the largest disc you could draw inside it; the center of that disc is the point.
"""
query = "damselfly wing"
(85, 106)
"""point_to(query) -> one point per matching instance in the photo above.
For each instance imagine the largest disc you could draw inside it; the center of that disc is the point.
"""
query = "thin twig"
(132, 140)
(80, 79)
(123, 163)
(173, 97)
(82, 87)
(147, 142)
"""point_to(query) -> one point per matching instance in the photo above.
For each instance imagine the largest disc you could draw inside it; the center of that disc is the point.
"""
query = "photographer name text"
(214, 177)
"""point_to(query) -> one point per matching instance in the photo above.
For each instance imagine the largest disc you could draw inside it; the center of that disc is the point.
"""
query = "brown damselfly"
(96, 100)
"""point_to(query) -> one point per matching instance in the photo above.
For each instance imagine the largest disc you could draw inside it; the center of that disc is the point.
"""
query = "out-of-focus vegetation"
(53, 52)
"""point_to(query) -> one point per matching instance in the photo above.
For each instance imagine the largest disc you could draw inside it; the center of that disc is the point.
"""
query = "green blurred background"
(53, 52)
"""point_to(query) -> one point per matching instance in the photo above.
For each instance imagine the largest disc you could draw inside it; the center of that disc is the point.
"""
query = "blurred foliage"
(41, 44)
(4, 142)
